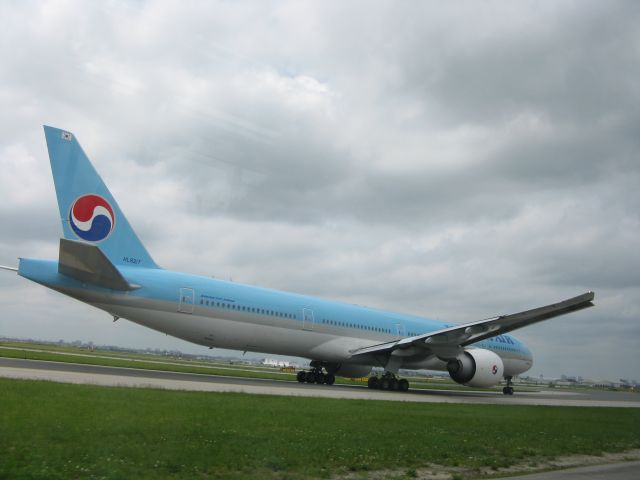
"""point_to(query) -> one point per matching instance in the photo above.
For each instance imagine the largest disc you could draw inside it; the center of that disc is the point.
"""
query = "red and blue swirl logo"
(91, 218)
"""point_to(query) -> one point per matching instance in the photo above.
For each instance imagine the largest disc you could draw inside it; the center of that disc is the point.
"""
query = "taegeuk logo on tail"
(91, 217)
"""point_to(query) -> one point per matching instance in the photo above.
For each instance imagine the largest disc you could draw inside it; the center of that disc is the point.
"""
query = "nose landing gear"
(508, 390)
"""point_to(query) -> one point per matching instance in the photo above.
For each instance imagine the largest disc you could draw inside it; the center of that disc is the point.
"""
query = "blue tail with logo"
(88, 211)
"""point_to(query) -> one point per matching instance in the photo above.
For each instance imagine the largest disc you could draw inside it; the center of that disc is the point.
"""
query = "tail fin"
(87, 209)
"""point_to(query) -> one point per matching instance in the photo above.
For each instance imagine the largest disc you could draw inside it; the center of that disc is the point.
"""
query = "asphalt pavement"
(132, 377)
(613, 471)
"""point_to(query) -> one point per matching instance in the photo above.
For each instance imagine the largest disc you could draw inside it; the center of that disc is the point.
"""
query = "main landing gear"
(316, 375)
(388, 381)
(508, 390)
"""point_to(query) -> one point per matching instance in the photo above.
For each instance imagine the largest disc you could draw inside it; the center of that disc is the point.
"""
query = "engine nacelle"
(476, 367)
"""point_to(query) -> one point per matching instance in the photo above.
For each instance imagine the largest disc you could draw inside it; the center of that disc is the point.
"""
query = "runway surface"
(131, 377)
(615, 471)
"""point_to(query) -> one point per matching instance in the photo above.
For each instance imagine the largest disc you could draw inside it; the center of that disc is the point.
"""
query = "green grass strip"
(115, 362)
(59, 431)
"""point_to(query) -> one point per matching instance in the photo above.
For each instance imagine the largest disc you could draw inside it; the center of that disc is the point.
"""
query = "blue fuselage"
(218, 313)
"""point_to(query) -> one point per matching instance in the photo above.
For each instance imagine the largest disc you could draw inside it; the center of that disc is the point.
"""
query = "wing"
(447, 342)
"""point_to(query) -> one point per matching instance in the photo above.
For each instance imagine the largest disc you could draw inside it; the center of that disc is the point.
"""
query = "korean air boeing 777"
(102, 262)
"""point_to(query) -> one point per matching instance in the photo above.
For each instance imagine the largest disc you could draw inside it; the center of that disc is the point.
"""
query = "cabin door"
(400, 331)
(186, 300)
(307, 319)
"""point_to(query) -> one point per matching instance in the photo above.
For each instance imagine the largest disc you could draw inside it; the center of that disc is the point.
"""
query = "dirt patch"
(560, 463)
(531, 465)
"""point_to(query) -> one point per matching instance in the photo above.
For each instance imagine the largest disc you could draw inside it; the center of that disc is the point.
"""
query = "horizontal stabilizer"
(4, 267)
(88, 264)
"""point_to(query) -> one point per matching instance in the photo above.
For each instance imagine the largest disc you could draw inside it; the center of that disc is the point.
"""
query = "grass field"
(60, 431)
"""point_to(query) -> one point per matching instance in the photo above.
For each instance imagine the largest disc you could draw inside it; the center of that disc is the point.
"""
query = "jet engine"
(476, 367)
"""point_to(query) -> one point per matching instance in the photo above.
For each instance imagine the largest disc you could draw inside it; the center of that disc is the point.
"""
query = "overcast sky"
(454, 160)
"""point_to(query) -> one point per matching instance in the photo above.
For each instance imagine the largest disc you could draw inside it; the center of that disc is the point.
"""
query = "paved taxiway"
(131, 377)
(615, 471)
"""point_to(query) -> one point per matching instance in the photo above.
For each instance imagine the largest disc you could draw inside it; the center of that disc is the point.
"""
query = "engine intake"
(476, 367)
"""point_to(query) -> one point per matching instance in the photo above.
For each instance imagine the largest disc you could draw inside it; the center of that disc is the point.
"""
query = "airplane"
(103, 263)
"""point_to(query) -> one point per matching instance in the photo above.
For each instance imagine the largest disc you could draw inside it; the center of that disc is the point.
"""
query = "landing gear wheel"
(508, 390)
(316, 374)
(389, 381)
